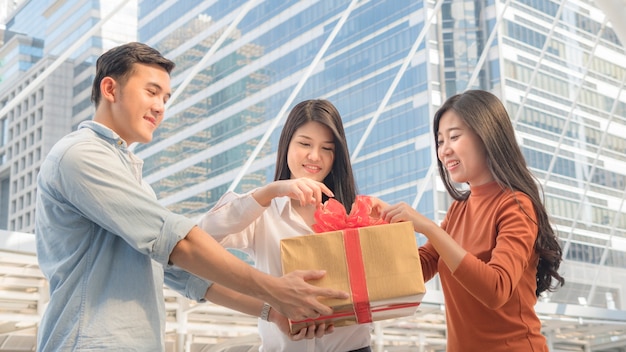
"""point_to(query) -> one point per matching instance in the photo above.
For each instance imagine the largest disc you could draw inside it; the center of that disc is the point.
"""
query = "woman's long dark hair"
(340, 179)
(485, 114)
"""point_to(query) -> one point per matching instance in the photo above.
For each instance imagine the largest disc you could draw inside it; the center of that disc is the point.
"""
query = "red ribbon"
(332, 216)
(356, 273)
(341, 315)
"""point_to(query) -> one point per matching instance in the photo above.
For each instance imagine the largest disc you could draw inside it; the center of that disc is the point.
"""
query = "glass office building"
(48, 55)
(387, 66)
(223, 123)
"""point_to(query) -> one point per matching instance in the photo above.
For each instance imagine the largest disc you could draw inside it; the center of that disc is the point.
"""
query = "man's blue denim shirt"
(103, 243)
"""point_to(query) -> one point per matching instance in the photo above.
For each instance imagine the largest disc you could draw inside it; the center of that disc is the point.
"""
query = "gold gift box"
(382, 260)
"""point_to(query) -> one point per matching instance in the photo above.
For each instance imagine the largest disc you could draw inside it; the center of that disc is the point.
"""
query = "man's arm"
(249, 305)
(201, 255)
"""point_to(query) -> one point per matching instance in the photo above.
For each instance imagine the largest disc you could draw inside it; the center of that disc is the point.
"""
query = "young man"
(107, 246)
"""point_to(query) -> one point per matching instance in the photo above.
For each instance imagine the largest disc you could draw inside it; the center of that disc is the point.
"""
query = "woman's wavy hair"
(340, 179)
(485, 114)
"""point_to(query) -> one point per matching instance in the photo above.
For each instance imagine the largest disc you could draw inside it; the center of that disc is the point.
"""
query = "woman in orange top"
(495, 250)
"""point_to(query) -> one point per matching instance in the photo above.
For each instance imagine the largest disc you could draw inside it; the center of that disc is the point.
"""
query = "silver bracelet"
(265, 312)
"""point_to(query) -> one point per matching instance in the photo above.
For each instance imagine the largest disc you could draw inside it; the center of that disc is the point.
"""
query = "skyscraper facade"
(46, 70)
(388, 65)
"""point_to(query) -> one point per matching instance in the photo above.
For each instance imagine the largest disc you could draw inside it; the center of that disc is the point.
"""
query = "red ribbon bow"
(332, 215)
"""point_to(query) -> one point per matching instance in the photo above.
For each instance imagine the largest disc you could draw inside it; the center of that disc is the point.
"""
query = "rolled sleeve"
(109, 194)
(189, 285)
(175, 224)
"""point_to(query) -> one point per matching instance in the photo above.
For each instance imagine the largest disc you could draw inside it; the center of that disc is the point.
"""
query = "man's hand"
(298, 300)
(309, 332)
(290, 294)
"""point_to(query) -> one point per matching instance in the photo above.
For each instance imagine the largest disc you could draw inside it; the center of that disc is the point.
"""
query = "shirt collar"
(105, 133)
(283, 205)
(287, 212)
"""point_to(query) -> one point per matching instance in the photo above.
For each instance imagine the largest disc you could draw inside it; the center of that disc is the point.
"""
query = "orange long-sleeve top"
(490, 297)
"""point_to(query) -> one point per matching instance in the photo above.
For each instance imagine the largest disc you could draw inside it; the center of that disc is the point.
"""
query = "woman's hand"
(404, 212)
(450, 251)
(305, 190)
(309, 332)
(377, 207)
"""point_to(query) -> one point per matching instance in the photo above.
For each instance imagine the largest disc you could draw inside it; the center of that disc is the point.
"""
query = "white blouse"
(238, 221)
